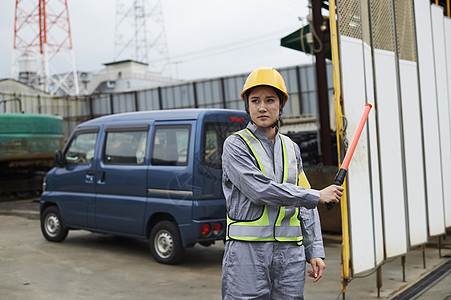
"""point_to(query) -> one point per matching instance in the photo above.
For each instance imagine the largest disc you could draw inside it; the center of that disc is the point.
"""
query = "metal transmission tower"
(43, 51)
(140, 33)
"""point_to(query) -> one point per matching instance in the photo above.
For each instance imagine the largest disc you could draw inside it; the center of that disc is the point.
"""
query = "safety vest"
(280, 224)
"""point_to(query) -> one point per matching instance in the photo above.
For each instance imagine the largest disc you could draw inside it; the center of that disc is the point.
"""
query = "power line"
(238, 45)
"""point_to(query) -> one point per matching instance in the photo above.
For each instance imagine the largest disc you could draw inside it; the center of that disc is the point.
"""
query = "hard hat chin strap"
(276, 123)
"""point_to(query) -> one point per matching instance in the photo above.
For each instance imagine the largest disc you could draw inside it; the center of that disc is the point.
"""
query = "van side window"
(81, 148)
(214, 135)
(125, 147)
(170, 145)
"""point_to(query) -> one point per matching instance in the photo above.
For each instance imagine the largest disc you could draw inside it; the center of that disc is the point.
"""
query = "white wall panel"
(395, 227)
(416, 195)
(448, 65)
(360, 212)
(438, 35)
(374, 159)
(429, 113)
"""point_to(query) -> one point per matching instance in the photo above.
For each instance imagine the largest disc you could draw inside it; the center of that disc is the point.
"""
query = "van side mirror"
(59, 159)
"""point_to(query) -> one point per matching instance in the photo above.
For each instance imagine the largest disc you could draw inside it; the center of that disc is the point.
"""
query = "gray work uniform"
(265, 270)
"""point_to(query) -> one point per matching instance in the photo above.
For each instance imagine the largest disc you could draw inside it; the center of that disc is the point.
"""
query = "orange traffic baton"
(340, 177)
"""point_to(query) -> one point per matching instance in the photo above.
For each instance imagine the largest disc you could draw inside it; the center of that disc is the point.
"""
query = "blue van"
(154, 175)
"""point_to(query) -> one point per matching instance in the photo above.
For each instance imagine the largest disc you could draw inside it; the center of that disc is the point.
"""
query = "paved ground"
(95, 266)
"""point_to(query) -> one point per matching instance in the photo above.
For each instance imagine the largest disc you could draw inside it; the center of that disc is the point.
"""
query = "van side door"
(74, 184)
(121, 180)
(170, 180)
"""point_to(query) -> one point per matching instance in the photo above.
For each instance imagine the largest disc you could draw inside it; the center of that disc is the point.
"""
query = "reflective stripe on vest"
(280, 224)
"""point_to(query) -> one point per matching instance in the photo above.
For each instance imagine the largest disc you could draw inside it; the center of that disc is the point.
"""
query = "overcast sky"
(205, 38)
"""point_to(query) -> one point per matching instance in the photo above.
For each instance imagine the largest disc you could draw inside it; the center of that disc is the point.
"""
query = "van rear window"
(170, 145)
(214, 136)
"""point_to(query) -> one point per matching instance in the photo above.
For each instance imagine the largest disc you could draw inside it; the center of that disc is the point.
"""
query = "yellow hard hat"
(265, 76)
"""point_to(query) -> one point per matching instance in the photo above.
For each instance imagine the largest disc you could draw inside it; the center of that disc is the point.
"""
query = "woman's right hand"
(331, 194)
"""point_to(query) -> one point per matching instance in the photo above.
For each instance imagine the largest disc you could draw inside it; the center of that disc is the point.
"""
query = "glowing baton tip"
(356, 137)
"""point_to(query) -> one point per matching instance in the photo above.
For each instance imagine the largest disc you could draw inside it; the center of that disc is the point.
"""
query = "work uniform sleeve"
(241, 170)
(311, 232)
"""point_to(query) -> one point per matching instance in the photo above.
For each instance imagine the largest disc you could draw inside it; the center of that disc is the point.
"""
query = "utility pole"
(321, 81)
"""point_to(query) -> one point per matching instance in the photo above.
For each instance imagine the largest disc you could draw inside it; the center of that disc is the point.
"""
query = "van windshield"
(214, 136)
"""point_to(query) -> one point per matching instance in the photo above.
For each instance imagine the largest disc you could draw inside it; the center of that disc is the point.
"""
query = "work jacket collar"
(260, 133)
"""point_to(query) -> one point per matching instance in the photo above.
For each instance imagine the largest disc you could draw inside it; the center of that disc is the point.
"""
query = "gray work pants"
(263, 270)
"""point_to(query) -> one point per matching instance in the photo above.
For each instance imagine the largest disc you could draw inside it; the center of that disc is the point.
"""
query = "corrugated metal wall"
(223, 92)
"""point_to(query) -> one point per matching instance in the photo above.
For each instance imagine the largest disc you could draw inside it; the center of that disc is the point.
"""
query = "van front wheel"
(165, 243)
(52, 225)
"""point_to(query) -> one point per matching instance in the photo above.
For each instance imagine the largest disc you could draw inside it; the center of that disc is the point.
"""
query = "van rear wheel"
(165, 243)
(52, 225)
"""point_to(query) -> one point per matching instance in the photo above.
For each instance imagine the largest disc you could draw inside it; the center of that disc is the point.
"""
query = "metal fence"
(223, 92)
